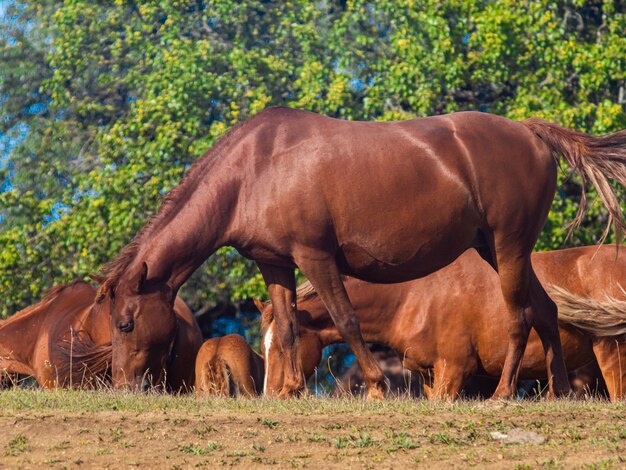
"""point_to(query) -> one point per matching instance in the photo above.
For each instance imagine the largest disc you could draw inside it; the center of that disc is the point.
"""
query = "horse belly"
(404, 259)
(407, 236)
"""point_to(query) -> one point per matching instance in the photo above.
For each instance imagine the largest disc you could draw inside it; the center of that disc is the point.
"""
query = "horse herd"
(433, 219)
(64, 340)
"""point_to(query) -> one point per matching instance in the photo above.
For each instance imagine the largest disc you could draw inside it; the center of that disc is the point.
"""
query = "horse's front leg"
(324, 275)
(281, 284)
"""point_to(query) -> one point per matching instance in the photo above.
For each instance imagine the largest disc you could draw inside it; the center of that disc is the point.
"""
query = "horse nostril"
(126, 326)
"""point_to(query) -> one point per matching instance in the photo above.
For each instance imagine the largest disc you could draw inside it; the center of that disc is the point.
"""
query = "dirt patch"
(289, 436)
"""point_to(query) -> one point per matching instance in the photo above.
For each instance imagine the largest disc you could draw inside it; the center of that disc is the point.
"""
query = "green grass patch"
(196, 449)
(269, 423)
(355, 440)
(17, 445)
(84, 400)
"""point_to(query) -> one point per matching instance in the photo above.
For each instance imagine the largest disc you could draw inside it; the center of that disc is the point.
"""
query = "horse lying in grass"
(65, 341)
(448, 327)
(227, 366)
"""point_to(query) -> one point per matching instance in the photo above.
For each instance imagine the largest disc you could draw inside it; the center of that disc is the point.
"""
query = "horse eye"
(126, 326)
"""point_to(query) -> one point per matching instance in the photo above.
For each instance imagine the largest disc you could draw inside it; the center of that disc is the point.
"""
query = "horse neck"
(94, 320)
(186, 234)
(18, 337)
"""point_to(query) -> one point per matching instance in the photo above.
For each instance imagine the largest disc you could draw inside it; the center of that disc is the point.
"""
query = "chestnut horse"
(448, 326)
(228, 366)
(65, 341)
(382, 201)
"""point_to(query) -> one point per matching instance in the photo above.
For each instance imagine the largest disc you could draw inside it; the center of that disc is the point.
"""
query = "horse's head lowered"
(309, 351)
(143, 327)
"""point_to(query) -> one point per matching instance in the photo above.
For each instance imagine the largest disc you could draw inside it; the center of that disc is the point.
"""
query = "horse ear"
(258, 304)
(143, 275)
(103, 291)
(95, 278)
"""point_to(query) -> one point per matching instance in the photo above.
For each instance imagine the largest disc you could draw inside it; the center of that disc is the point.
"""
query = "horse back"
(589, 271)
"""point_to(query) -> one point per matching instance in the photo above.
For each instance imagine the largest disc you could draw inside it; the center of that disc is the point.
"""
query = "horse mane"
(50, 296)
(600, 318)
(305, 291)
(82, 362)
(114, 269)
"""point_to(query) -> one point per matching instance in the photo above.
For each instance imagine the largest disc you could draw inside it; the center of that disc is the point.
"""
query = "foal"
(227, 366)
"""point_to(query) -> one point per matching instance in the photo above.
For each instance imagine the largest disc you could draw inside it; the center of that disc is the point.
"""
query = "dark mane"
(114, 269)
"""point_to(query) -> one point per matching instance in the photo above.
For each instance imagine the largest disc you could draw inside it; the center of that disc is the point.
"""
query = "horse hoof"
(502, 394)
(563, 392)
(290, 392)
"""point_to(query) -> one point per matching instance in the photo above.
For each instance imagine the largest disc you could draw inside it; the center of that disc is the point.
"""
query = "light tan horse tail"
(216, 378)
(593, 159)
(601, 318)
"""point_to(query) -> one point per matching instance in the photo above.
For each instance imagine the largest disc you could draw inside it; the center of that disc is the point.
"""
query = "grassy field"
(71, 429)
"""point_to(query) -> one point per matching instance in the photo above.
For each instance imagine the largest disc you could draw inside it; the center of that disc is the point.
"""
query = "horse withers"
(65, 341)
(448, 326)
(382, 201)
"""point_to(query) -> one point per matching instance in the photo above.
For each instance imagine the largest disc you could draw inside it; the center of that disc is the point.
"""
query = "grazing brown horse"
(448, 326)
(65, 341)
(228, 366)
(382, 201)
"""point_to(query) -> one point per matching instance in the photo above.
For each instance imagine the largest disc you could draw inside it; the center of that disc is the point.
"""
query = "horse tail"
(594, 159)
(600, 318)
(216, 378)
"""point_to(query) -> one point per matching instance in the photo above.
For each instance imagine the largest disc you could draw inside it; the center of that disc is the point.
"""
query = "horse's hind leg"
(610, 351)
(325, 277)
(526, 307)
(545, 322)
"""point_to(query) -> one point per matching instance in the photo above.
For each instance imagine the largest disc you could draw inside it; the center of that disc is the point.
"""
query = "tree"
(120, 97)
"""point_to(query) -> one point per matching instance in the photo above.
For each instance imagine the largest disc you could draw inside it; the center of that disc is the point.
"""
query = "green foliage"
(129, 94)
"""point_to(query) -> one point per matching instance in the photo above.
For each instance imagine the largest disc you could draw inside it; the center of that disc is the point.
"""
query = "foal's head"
(143, 327)
(270, 350)
(309, 350)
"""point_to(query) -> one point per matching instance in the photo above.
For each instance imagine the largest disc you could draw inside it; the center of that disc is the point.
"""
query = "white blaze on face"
(267, 344)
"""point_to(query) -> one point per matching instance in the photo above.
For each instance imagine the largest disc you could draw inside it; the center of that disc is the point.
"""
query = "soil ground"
(68, 429)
